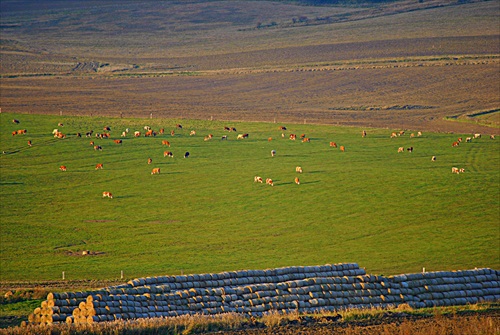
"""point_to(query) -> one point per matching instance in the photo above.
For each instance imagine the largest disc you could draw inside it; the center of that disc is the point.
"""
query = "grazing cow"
(282, 128)
(410, 149)
(401, 133)
(269, 181)
(87, 134)
(477, 135)
(97, 147)
(363, 134)
(401, 149)
(186, 155)
(137, 133)
(172, 133)
(78, 135)
(455, 170)
(227, 128)
(419, 134)
(459, 140)
(433, 158)
(91, 143)
(61, 135)
(302, 136)
(461, 170)
(55, 131)
(233, 129)
(412, 135)
(468, 139)
(162, 131)
(206, 138)
(306, 139)
(455, 144)
(192, 133)
(149, 133)
(240, 137)
(30, 144)
(118, 141)
(224, 137)
(164, 142)
(178, 126)
(106, 128)
(14, 133)
(297, 181)
(298, 169)
(292, 137)
(168, 153)
(107, 195)
(124, 134)
(269, 139)
(60, 124)
(342, 148)
(273, 153)
(62, 168)
(333, 144)
(98, 166)
(257, 179)
(21, 131)
(282, 135)
(15, 121)
(492, 137)
(155, 171)
(394, 135)
(150, 161)
(147, 128)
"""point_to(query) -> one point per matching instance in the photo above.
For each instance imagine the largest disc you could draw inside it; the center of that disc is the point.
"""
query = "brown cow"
(298, 169)
(149, 133)
(178, 126)
(164, 142)
(168, 153)
(297, 181)
(192, 133)
(155, 171)
(162, 131)
(269, 181)
(97, 147)
(62, 168)
(293, 137)
(455, 144)
(150, 161)
(333, 144)
(118, 141)
(269, 139)
(342, 148)
(98, 166)
(306, 139)
(172, 133)
(302, 136)
(107, 194)
(29, 143)
(282, 128)
(401, 149)
(363, 134)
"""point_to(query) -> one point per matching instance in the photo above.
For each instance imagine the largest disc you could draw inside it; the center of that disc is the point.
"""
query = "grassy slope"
(389, 212)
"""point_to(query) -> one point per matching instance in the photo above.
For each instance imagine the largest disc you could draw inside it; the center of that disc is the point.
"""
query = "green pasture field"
(389, 212)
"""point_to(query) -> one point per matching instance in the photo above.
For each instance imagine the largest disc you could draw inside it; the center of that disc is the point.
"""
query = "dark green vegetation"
(390, 212)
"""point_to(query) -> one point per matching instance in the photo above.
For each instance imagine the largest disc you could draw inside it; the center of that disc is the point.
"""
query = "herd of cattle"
(148, 132)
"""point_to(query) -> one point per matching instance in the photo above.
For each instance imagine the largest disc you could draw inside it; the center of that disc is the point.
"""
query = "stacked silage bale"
(449, 288)
(305, 289)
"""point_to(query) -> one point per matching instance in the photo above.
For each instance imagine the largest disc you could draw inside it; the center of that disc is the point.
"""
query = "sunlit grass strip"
(471, 317)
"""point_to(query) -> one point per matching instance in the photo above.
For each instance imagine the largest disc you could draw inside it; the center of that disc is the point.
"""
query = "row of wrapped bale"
(304, 289)
(67, 306)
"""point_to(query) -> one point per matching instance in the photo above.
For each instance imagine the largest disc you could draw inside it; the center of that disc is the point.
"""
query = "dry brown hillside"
(402, 64)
